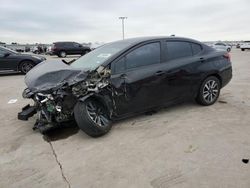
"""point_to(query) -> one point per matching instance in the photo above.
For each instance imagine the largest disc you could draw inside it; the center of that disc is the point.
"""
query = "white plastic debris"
(12, 101)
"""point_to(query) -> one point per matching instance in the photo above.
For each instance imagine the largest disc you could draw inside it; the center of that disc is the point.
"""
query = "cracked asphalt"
(186, 145)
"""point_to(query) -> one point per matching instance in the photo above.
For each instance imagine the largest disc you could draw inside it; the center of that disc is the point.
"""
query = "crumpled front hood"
(48, 75)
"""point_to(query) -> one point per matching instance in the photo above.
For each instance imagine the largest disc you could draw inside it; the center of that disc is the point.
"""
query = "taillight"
(227, 56)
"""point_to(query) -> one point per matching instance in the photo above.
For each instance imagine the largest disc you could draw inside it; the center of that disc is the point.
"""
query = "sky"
(47, 21)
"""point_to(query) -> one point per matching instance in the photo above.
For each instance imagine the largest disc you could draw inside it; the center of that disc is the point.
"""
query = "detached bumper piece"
(27, 112)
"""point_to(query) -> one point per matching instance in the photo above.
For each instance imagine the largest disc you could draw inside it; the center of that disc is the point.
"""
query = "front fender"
(104, 99)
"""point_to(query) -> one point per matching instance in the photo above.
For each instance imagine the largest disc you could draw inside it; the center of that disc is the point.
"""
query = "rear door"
(180, 58)
(136, 78)
(69, 48)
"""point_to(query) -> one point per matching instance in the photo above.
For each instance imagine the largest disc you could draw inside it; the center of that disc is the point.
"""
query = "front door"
(136, 79)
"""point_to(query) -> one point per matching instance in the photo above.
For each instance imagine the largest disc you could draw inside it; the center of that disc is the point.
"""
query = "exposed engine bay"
(54, 101)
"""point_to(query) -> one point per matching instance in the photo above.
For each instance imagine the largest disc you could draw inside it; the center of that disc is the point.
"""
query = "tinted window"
(220, 44)
(76, 45)
(120, 66)
(144, 55)
(176, 49)
(2, 52)
(69, 44)
(196, 48)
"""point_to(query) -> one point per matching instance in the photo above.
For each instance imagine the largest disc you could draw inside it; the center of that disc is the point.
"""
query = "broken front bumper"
(27, 112)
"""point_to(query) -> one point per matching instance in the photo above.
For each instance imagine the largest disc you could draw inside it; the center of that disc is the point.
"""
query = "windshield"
(8, 50)
(98, 56)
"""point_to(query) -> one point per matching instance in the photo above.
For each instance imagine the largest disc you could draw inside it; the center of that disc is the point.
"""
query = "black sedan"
(124, 78)
(14, 61)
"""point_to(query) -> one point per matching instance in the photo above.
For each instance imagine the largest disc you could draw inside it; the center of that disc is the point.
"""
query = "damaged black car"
(124, 78)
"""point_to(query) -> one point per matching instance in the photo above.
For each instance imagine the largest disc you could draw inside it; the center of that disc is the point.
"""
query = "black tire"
(26, 66)
(62, 54)
(209, 91)
(85, 113)
(229, 49)
(242, 49)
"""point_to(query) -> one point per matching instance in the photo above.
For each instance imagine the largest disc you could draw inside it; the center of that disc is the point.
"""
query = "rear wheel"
(26, 66)
(209, 91)
(92, 117)
(229, 49)
(242, 49)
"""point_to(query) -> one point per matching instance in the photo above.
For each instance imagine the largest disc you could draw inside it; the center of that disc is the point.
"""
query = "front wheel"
(209, 91)
(92, 117)
(26, 66)
(63, 54)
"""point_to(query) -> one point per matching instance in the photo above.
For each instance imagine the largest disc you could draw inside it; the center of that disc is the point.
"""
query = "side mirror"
(6, 55)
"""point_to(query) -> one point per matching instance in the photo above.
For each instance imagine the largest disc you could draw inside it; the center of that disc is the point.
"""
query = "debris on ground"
(12, 101)
(191, 149)
(245, 161)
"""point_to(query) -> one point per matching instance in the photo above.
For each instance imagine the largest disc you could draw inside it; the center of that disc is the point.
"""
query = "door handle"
(202, 59)
(159, 73)
(123, 76)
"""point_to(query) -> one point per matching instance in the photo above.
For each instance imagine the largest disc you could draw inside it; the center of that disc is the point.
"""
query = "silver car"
(222, 46)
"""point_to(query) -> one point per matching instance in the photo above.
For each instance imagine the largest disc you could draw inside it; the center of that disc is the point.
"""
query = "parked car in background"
(245, 46)
(27, 49)
(222, 46)
(62, 49)
(14, 61)
(238, 45)
(39, 49)
(124, 78)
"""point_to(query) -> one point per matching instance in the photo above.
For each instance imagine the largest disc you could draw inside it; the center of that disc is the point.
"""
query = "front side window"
(178, 49)
(120, 66)
(76, 45)
(145, 55)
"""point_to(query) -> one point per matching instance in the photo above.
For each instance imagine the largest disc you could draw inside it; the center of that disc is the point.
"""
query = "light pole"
(123, 18)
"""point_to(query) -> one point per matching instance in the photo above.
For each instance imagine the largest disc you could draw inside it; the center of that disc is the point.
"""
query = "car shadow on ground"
(68, 57)
(161, 111)
(2, 74)
(67, 130)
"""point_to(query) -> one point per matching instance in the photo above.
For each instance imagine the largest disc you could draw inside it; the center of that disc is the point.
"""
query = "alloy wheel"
(97, 113)
(210, 91)
(26, 67)
(63, 54)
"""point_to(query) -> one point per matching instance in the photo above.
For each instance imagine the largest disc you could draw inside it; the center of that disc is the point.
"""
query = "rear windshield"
(98, 56)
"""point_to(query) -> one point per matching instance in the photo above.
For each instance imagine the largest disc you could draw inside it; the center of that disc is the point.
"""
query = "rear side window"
(196, 48)
(69, 44)
(145, 55)
(178, 49)
(2, 52)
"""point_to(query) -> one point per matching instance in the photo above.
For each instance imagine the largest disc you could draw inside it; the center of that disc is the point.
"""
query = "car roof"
(64, 42)
(137, 40)
(131, 42)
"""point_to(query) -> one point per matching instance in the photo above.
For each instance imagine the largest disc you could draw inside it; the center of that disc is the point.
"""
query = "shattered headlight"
(27, 93)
